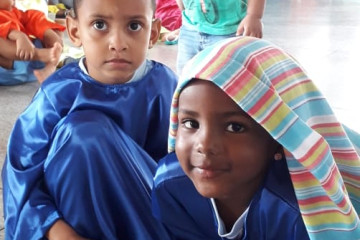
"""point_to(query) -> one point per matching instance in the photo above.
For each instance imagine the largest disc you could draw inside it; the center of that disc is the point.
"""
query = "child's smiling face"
(223, 151)
(115, 35)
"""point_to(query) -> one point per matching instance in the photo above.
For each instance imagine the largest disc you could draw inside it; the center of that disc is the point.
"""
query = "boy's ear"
(155, 32)
(73, 30)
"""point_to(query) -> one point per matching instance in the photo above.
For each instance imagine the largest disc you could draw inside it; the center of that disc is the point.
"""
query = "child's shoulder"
(278, 184)
(70, 70)
(169, 169)
(68, 75)
(275, 205)
(160, 78)
(163, 70)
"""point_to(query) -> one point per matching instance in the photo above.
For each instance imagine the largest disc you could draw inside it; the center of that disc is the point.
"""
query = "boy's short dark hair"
(76, 4)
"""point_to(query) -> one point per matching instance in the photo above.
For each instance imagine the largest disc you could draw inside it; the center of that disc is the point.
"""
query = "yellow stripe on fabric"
(310, 208)
(221, 57)
(298, 90)
(272, 59)
(352, 189)
(243, 92)
(330, 218)
(347, 162)
(329, 130)
(266, 106)
(289, 79)
(311, 159)
(276, 117)
(304, 184)
(313, 182)
(266, 63)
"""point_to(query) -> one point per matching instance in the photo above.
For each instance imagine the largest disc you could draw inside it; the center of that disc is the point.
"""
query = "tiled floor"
(324, 35)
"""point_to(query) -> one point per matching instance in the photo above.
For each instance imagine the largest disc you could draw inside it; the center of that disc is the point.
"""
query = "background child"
(170, 15)
(17, 28)
(205, 22)
(244, 116)
(82, 156)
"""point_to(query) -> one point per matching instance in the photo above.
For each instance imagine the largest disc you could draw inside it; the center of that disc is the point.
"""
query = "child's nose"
(118, 42)
(208, 142)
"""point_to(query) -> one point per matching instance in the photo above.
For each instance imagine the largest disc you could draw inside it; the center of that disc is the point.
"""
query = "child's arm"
(251, 25)
(25, 49)
(62, 231)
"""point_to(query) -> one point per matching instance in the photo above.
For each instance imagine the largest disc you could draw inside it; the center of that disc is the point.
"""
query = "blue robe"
(273, 212)
(84, 151)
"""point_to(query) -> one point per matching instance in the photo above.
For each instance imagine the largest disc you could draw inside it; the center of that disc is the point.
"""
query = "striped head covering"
(322, 155)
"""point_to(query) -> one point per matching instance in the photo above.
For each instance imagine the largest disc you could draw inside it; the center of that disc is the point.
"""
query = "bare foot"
(50, 66)
(169, 36)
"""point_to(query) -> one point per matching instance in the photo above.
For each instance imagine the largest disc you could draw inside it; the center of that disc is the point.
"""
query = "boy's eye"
(191, 124)
(134, 26)
(235, 128)
(100, 25)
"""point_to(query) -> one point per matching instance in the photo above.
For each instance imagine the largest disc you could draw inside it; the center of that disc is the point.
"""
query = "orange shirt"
(31, 22)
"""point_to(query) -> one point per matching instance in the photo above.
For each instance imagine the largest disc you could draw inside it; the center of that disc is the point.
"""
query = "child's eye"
(135, 26)
(190, 124)
(235, 128)
(100, 25)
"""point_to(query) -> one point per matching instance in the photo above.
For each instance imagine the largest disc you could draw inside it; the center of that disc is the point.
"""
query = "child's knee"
(77, 137)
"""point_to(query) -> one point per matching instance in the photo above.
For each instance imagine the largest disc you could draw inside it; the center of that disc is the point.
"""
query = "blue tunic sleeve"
(27, 150)
(135, 108)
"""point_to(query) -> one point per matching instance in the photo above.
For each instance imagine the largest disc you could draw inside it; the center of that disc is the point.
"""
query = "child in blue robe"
(256, 152)
(81, 157)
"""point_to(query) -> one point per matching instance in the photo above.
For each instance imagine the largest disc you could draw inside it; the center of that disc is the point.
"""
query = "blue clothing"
(84, 151)
(200, 30)
(273, 211)
(192, 42)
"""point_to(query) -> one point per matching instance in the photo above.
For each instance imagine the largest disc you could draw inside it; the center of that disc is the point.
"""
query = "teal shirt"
(222, 17)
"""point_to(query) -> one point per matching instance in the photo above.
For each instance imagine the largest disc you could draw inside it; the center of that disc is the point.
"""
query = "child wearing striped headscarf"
(256, 152)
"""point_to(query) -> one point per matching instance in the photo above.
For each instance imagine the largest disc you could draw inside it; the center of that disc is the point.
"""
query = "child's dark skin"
(223, 151)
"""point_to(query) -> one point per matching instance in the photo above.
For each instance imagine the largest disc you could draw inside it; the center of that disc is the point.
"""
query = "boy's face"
(115, 35)
(6, 4)
(223, 151)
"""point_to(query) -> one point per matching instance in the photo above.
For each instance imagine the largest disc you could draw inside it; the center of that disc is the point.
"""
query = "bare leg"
(50, 66)
(6, 63)
(50, 56)
(51, 37)
(8, 51)
(7, 48)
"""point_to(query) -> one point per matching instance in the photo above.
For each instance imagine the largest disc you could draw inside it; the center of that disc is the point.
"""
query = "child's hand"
(250, 26)
(25, 49)
(203, 6)
(60, 230)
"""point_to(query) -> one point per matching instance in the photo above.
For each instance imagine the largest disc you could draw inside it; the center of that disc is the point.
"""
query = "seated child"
(82, 156)
(17, 28)
(256, 152)
(169, 13)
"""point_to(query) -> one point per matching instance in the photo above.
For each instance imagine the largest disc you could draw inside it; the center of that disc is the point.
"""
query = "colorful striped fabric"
(322, 155)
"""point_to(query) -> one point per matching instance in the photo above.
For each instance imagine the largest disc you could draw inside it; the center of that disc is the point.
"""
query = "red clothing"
(31, 22)
(169, 13)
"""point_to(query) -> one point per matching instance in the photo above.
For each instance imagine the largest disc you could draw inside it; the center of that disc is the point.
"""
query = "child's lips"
(208, 172)
(118, 62)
